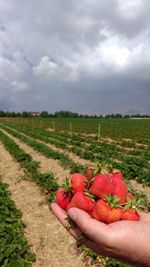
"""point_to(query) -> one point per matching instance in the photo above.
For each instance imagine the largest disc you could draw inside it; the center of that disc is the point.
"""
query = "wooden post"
(99, 131)
(54, 126)
(41, 123)
(70, 127)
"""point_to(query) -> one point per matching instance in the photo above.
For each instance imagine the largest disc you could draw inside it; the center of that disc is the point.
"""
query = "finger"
(77, 233)
(95, 230)
(59, 213)
(63, 218)
(145, 217)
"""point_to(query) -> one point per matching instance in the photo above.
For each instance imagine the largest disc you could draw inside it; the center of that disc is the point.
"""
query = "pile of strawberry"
(102, 193)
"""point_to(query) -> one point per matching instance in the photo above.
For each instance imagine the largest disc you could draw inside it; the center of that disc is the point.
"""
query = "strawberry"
(120, 189)
(105, 213)
(89, 172)
(101, 186)
(62, 198)
(82, 201)
(116, 174)
(130, 215)
(95, 168)
(78, 182)
(94, 214)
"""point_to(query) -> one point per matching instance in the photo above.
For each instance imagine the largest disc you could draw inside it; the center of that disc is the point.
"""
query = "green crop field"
(135, 129)
(74, 143)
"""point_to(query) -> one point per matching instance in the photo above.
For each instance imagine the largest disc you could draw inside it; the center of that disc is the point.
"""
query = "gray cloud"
(85, 56)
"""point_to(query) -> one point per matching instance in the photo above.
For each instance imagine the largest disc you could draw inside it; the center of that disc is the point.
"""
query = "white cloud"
(46, 67)
(72, 45)
(19, 85)
(9, 69)
(131, 8)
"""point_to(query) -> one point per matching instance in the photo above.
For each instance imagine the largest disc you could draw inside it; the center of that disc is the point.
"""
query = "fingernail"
(72, 214)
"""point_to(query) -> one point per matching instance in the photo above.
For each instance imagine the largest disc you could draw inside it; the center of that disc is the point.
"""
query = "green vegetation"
(46, 180)
(134, 164)
(120, 130)
(128, 149)
(14, 248)
(67, 114)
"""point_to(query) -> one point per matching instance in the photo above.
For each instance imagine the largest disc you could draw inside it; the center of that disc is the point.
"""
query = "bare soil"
(141, 188)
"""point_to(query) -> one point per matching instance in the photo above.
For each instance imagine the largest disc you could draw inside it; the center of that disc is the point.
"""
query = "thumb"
(95, 230)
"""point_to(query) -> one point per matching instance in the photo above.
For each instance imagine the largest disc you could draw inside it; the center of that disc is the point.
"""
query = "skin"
(128, 241)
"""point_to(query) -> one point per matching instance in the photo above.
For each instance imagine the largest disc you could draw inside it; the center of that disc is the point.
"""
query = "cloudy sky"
(89, 56)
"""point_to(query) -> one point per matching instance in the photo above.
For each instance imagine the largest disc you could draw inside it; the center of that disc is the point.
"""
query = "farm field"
(135, 129)
(37, 154)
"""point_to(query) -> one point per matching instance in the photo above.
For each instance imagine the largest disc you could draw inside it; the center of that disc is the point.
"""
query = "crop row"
(132, 167)
(31, 167)
(63, 140)
(70, 164)
(136, 130)
(14, 248)
(47, 181)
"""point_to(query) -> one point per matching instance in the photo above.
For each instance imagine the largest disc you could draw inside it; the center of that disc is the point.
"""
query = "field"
(37, 154)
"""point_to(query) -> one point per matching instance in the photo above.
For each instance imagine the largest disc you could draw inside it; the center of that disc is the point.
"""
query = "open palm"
(124, 240)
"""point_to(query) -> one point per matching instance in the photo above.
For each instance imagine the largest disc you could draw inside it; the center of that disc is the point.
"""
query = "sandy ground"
(52, 244)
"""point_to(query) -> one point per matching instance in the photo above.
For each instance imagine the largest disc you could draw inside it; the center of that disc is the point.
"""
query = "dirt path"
(53, 246)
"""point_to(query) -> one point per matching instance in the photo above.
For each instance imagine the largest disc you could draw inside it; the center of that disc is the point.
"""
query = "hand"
(125, 240)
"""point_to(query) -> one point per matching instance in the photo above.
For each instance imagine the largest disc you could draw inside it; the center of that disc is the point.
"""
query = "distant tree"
(100, 116)
(118, 115)
(26, 114)
(81, 116)
(13, 114)
(44, 114)
(108, 116)
(2, 113)
(50, 115)
(18, 114)
(65, 114)
(126, 116)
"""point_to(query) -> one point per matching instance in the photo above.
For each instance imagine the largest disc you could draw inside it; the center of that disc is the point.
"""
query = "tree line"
(66, 114)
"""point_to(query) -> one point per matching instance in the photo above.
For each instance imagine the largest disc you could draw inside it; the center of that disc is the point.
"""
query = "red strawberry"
(96, 168)
(78, 182)
(62, 198)
(120, 189)
(101, 186)
(82, 201)
(105, 213)
(130, 215)
(116, 174)
(89, 170)
(94, 214)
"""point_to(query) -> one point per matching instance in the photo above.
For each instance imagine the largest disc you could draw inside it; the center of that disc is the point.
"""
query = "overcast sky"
(89, 56)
